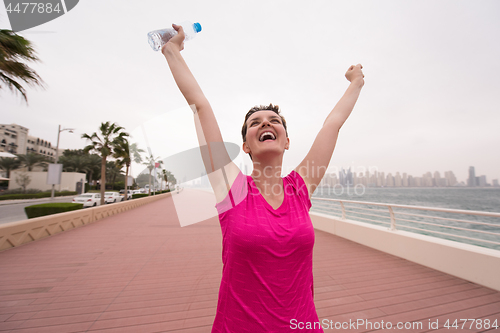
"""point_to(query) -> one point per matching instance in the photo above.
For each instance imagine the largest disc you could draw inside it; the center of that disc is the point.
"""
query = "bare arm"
(314, 165)
(215, 157)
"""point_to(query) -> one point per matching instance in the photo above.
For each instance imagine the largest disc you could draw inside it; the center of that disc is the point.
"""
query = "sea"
(460, 198)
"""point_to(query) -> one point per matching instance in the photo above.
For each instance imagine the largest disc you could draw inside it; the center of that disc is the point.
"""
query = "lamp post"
(57, 152)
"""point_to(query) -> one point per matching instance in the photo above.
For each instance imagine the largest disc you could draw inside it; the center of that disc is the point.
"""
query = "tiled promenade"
(140, 271)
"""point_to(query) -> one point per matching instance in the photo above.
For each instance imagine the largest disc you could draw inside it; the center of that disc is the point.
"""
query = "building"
(481, 181)
(450, 178)
(15, 139)
(471, 182)
(389, 180)
(398, 181)
(427, 180)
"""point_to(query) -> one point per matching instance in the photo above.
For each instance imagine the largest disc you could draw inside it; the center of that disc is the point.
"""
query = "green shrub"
(36, 195)
(140, 195)
(50, 208)
(20, 191)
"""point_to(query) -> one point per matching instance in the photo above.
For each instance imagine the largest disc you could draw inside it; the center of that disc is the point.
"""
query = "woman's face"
(265, 134)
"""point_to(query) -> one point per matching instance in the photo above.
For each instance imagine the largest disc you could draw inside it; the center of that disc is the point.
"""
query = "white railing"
(481, 228)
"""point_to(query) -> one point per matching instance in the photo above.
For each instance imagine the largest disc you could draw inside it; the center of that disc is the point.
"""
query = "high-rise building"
(471, 182)
(427, 179)
(436, 178)
(398, 180)
(389, 181)
(381, 179)
(450, 178)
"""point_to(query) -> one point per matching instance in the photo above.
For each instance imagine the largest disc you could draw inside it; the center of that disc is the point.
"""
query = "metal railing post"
(393, 218)
(343, 210)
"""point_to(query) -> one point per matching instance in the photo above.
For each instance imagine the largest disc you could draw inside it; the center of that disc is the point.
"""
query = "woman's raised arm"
(220, 169)
(313, 167)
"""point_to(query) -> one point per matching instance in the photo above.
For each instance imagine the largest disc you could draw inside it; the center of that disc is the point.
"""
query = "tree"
(94, 165)
(104, 143)
(13, 50)
(73, 152)
(78, 161)
(142, 180)
(75, 163)
(113, 170)
(169, 178)
(126, 153)
(8, 164)
(150, 163)
(23, 180)
(32, 160)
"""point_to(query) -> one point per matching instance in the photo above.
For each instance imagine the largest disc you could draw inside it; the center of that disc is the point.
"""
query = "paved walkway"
(139, 271)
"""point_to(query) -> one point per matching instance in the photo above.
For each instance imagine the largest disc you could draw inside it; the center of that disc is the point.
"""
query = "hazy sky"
(430, 101)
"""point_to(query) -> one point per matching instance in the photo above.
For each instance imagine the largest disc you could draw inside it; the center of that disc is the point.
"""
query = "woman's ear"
(287, 146)
(245, 147)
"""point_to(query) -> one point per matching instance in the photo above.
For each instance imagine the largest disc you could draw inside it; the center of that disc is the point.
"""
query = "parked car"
(129, 194)
(88, 199)
(111, 197)
(136, 192)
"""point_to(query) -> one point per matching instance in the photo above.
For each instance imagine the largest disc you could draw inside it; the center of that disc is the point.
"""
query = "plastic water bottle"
(158, 38)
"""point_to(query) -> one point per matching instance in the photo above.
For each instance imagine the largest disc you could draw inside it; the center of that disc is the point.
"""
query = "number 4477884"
(38, 7)
(474, 323)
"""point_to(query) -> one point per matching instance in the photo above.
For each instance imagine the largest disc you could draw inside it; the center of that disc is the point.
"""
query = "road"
(13, 212)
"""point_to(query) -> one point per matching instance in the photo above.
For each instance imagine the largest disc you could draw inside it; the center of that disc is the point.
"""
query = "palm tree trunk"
(126, 179)
(103, 179)
(149, 183)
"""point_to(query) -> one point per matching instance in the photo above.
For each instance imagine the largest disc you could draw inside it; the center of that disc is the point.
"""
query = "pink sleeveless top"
(267, 280)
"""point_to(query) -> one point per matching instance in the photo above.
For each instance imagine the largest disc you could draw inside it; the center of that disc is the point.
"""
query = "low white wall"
(39, 180)
(473, 263)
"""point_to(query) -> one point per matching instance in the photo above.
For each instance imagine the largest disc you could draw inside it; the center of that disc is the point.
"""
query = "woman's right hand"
(177, 40)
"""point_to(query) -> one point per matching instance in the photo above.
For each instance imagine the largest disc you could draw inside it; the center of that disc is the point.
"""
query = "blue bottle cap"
(197, 27)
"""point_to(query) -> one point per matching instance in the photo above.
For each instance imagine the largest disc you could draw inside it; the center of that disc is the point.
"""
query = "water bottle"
(158, 38)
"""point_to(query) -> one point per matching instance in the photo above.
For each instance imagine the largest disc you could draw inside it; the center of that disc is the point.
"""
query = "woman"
(267, 282)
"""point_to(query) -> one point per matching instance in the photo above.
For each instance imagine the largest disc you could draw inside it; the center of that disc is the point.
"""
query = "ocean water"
(476, 199)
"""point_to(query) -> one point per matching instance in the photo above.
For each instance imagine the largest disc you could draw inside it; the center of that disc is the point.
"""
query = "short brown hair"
(270, 107)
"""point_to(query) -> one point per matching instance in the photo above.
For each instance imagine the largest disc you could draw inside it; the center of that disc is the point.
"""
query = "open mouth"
(267, 136)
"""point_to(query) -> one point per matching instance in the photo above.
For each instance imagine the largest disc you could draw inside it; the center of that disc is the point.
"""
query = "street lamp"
(57, 152)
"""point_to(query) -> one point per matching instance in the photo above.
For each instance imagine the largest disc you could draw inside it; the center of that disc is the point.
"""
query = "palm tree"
(8, 164)
(13, 49)
(32, 160)
(169, 178)
(94, 166)
(75, 163)
(113, 170)
(126, 153)
(150, 163)
(104, 143)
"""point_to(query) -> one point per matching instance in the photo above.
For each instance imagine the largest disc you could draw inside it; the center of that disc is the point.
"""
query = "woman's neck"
(267, 178)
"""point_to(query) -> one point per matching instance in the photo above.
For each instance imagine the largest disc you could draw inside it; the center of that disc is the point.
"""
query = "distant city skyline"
(377, 178)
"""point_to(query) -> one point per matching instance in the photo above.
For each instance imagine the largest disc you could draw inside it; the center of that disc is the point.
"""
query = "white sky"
(430, 101)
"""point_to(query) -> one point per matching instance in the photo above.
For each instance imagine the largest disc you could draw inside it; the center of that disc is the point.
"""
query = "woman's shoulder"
(294, 180)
